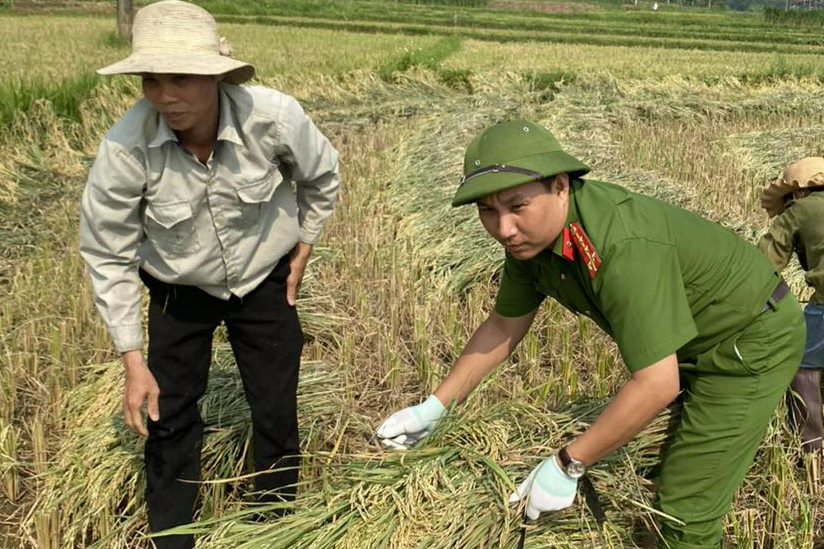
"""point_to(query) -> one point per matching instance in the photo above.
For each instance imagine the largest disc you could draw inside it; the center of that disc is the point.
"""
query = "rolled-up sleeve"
(314, 167)
(777, 243)
(110, 233)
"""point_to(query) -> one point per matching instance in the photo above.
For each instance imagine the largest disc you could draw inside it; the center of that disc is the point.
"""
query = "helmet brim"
(548, 164)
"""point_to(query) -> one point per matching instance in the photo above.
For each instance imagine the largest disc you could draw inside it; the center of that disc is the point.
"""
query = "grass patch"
(548, 83)
(455, 3)
(17, 96)
(456, 78)
(714, 27)
(630, 62)
(575, 35)
(54, 47)
(800, 18)
(287, 46)
(422, 57)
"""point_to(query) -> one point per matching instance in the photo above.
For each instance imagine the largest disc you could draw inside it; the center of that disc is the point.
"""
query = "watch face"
(576, 469)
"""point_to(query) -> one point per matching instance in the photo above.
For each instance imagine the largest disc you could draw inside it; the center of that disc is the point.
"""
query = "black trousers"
(267, 340)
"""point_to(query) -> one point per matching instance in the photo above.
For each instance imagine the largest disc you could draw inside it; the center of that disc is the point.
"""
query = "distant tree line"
(744, 5)
(800, 12)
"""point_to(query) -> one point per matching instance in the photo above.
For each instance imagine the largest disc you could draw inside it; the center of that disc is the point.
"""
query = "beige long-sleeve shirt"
(271, 182)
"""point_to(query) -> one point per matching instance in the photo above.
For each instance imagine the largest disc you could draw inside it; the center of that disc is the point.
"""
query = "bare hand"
(298, 258)
(140, 386)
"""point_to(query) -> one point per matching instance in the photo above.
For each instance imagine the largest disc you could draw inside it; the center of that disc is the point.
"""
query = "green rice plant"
(30, 71)
(802, 18)
(429, 58)
(18, 96)
(303, 50)
(36, 48)
(458, 3)
(548, 64)
(289, 50)
(629, 37)
(735, 27)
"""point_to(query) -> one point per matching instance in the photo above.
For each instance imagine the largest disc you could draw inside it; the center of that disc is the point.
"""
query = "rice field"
(636, 62)
(398, 282)
(284, 50)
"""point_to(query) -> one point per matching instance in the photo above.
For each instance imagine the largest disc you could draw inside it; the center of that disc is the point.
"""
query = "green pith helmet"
(509, 154)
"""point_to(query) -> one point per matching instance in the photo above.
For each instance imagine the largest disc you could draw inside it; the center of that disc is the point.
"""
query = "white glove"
(406, 427)
(547, 488)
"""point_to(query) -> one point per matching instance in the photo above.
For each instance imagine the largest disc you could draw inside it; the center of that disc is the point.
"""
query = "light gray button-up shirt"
(272, 181)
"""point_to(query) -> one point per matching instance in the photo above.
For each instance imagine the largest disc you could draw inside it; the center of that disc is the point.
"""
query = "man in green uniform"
(687, 301)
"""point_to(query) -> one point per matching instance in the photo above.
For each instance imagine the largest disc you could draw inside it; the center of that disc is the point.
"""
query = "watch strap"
(564, 456)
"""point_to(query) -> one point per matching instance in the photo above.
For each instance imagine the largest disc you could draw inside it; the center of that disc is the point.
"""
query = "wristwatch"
(572, 467)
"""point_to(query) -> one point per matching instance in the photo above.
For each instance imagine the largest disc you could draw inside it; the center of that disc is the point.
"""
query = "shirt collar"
(227, 129)
(226, 126)
(563, 240)
(164, 133)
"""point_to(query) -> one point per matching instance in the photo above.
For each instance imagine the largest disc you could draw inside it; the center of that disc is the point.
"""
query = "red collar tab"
(584, 246)
(566, 249)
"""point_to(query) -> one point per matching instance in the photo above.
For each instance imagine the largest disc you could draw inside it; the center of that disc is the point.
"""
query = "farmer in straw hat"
(691, 306)
(192, 192)
(795, 202)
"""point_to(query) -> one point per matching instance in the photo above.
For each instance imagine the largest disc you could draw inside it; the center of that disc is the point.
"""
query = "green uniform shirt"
(669, 280)
(800, 228)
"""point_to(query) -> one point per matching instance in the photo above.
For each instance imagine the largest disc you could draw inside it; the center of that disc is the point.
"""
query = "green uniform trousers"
(731, 393)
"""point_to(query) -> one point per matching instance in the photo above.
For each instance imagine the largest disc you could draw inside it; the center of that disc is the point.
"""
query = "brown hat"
(803, 174)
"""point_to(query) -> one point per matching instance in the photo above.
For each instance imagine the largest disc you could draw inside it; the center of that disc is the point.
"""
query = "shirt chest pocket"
(569, 295)
(170, 226)
(253, 197)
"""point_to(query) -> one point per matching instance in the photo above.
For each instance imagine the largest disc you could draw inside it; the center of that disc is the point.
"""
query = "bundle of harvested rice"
(92, 492)
(452, 490)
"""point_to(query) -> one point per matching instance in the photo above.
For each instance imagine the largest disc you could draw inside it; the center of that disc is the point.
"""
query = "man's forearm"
(490, 345)
(302, 250)
(632, 409)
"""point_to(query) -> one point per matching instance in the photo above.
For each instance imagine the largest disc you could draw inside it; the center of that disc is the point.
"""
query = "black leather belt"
(778, 294)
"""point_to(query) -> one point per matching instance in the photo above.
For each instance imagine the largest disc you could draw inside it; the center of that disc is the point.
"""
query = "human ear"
(560, 184)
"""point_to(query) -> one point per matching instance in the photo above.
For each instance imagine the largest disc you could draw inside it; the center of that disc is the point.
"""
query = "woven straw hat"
(803, 174)
(174, 37)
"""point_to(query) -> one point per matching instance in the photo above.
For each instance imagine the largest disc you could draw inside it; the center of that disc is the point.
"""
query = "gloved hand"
(547, 488)
(406, 427)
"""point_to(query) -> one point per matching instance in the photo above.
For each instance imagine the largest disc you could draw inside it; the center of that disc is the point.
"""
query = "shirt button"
(586, 312)
(563, 277)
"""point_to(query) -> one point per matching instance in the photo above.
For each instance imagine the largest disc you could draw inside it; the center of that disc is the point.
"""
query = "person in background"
(213, 194)
(796, 204)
